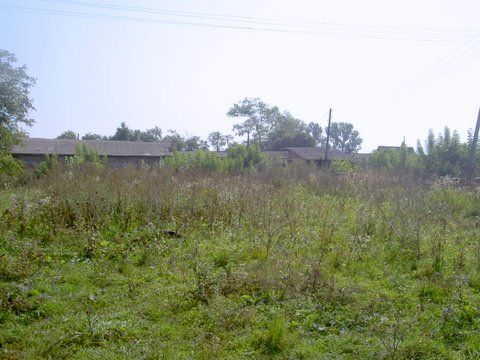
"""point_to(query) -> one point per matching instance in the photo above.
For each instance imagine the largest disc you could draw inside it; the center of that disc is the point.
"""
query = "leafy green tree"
(123, 133)
(287, 131)
(270, 128)
(444, 154)
(344, 137)
(217, 140)
(150, 135)
(402, 160)
(177, 141)
(92, 136)
(15, 108)
(257, 117)
(316, 132)
(193, 143)
(68, 135)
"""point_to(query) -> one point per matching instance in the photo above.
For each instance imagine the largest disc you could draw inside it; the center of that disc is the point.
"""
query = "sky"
(394, 69)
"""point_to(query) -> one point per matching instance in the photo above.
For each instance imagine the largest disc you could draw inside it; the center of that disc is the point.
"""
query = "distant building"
(395, 148)
(316, 154)
(119, 153)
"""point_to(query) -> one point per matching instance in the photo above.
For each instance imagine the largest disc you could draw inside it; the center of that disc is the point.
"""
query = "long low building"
(32, 151)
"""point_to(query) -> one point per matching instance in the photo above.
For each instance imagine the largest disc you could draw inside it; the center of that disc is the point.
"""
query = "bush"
(86, 155)
(9, 165)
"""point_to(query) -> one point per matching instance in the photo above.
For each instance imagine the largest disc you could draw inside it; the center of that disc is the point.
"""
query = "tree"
(270, 128)
(123, 133)
(177, 141)
(229, 139)
(193, 143)
(69, 135)
(256, 113)
(344, 137)
(217, 140)
(15, 101)
(444, 154)
(150, 135)
(92, 136)
(316, 132)
(287, 131)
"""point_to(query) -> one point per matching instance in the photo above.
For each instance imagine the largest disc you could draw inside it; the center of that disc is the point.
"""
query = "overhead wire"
(269, 21)
(444, 67)
(222, 25)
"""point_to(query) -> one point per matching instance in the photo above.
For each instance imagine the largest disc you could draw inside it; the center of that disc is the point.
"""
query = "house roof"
(316, 153)
(280, 155)
(395, 148)
(37, 146)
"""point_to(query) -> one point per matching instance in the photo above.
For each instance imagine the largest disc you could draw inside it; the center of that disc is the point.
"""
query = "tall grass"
(292, 262)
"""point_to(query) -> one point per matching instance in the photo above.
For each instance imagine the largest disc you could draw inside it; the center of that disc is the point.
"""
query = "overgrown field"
(286, 263)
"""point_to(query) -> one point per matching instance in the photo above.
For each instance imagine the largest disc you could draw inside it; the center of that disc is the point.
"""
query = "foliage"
(86, 155)
(124, 133)
(49, 164)
(69, 135)
(193, 143)
(217, 140)
(344, 137)
(200, 160)
(9, 165)
(444, 154)
(92, 136)
(238, 158)
(397, 160)
(270, 128)
(292, 263)
(177, 141)
(15, 101)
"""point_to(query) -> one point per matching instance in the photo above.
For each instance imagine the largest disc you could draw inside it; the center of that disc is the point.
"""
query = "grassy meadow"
(287, 262)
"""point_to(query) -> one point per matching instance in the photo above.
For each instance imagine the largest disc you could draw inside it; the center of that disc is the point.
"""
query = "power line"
(270, 21)
(459, 58)
(213, 25)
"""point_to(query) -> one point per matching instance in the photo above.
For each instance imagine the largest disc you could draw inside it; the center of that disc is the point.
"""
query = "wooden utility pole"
(473, 150)
(328, 134)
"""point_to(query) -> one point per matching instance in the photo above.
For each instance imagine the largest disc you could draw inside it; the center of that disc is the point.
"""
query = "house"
(119, 153)
(316, 154)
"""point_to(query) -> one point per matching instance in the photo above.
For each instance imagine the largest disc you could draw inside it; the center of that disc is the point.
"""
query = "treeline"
(260, 124)
(442, 155)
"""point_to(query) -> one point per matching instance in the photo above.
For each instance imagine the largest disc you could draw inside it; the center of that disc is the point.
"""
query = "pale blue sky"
(93, 74)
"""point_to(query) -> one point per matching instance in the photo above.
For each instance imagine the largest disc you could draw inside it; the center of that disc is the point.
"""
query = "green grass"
(286, 263)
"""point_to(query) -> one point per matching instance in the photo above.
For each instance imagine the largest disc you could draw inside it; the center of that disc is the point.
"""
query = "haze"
(93, 73)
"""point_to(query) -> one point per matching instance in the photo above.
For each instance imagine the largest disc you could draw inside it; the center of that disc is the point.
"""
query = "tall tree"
(217, 140)
(123, 133)
(15, 102)
(287, 131)
(177, 141)
(69, 135)
(256, 115)
(193, 143)
(345, 138)
(269, 128)
(153, 134)
(316, 132)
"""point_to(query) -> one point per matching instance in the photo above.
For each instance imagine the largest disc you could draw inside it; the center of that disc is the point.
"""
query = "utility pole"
(328, 134)
(473, 150)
